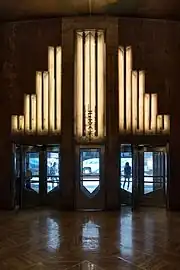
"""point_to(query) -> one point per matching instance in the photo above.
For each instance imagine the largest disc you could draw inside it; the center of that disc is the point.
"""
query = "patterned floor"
(46, 239)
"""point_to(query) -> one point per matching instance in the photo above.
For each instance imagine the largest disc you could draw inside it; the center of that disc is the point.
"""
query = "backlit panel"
(138, 113)
(42, 111)
(89, 85)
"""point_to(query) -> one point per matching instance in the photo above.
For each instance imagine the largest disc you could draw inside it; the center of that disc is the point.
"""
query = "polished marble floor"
(46, 239)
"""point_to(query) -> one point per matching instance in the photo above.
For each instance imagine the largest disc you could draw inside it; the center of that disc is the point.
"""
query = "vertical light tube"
(141, 100)
(128, 87)
(146, 112)
(134, 100)
(121, 87)
(79, 84)
(87, 78)
(159, 123)
(153, 112)
(39, 101)
(100, 82)
(27, 113)
(166, 124)
(51, 89)
(58, 87)
(33, 113)
(14, 123)
(45, 102)
(93, 80)
(21, 123)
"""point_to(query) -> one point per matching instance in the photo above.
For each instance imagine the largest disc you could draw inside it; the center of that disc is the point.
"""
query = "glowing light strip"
(141, 100)
(51, 89)
(87, 77)
(93, 80)
(21, 123)
(146, 112)
(134, 100)
(27, 113)
(166, 124)
(14, 123)
(39, 101)
(121, 87)
(33, 113)
(45, 102)
(159, 123)
(100, 83)
(153, 112)
(128, 87)
(79, 85)
(58, 87)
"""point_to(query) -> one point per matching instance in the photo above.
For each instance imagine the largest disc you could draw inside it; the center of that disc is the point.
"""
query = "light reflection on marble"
(126, 235)
(85, 265)
(53, 233)
(90, 236)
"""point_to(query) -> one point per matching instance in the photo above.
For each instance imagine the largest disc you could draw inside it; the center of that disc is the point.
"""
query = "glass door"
(30, 172)
(154, 180)
(37, 170)
(52, 175)
(89, 181)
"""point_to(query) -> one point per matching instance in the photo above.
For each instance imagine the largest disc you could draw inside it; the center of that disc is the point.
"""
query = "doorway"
(37, 174)
(143, 175)
(89, 194)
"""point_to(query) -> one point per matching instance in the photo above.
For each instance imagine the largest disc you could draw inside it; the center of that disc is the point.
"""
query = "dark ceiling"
(28, 9)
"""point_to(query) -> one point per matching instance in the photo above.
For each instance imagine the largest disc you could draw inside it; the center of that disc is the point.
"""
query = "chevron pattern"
(45, 239)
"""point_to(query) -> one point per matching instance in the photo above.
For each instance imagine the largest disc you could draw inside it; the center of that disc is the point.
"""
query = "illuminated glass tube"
(87, 78)
(27, 113)
(21, 123)
(51, 89)
(128, 88)
(134, 101)
(33, 113)
(159, 123)
(93, 80)
(58, 87)
(100, 82)
(14, 123)
(79, 85)
(153, 112)
(166, 124)
(45, 102)
(121, 87)
(141, 100)
(146, 112)
(39, 101)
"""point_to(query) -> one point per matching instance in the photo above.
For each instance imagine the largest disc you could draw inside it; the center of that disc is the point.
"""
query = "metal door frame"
(140, 178)
(42, 150)
(78, 180)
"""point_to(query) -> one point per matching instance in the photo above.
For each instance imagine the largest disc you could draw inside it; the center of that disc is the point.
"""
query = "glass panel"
(32, 171)
(53, 166)
(126, 167)
(153, 171)
(90, 169)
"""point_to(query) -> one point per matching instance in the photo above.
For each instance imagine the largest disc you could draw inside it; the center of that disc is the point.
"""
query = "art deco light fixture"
(90, 85)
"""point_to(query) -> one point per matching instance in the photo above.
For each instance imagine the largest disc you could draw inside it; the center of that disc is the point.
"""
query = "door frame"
(43, 197)
(140, 175)
(79, 196)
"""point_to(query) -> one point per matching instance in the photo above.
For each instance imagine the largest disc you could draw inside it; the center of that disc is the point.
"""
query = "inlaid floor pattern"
(46, 239)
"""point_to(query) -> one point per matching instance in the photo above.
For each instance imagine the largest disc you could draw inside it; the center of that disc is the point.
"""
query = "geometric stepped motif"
(138, 113)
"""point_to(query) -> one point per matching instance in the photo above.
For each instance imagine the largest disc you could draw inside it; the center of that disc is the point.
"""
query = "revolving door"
(143, 175)
(37, 174)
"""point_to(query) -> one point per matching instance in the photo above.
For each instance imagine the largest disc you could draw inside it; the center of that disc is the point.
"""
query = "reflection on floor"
(45, 239)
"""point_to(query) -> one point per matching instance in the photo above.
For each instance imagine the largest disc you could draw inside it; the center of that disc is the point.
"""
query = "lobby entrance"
(37, 175)
(143, 175)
